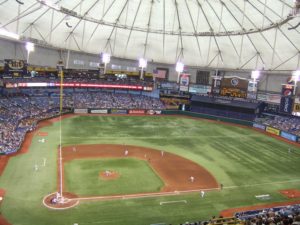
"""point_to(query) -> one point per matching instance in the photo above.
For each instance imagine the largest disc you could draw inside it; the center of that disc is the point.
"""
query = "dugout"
(225, 106)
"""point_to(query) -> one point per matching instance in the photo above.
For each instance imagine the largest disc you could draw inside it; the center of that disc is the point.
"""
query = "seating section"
(223, 113)
(277, 215)
(20, 114)
(288, 124)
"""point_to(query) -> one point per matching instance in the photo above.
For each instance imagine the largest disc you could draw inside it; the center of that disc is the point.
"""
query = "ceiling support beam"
(282, 63)
(283, 33)
(253, 24)
(213, 59)
(249, 60)
(211, 29)
(180, 55)
(98, 24)
(51, 25)
(132, 25)
(252, 43)
(221, 24)
(40, 16)
(39, 33)
(77, 24)
(242, 41)
(194, 28)
(274, 47)
(54, 28)
(148, 28)
(23, 14)
(116, 22)
(275, 13)
(1, 3)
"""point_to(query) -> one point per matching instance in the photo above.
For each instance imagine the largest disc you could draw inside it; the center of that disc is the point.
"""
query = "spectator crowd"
(20, 114)
(287, 124)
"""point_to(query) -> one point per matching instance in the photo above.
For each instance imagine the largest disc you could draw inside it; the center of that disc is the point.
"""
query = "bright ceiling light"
(296, 75)
(9, 34)
(179, 67)
(255, 74)
(142, 63)
(105, 58)
(29, 47)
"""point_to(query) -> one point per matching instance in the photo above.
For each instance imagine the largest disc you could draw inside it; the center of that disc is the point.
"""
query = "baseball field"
(151, 182)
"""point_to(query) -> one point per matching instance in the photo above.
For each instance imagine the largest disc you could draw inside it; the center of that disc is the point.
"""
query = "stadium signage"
(272, 130)
(288, 136)
(136, 111)
(100, 111)
(80, 111)
(81, 85)
(286, 105)
(296, 107)
(118, 111)
(259, 126)
(153, 112)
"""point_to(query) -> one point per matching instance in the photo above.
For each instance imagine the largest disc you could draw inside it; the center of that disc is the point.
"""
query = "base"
(55, 201)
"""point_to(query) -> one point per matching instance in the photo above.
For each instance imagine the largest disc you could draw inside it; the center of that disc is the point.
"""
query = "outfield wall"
(277, 132)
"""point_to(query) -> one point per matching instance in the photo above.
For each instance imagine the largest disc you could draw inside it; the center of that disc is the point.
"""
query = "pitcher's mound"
(109, 175)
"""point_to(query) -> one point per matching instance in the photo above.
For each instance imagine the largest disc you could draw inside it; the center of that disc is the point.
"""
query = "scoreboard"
(234, 87)
(233, 92)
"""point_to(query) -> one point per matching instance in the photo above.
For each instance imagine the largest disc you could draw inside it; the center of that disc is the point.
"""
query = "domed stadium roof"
(236, 34)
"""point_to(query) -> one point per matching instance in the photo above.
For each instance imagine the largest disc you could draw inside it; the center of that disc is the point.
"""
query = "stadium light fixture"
(142, 64)
(30, 48)
(105, 60)
(8, 34)
(179, 69)
(296, 75)
(255, 75)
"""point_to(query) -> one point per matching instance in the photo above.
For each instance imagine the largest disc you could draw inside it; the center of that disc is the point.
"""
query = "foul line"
(162, 194)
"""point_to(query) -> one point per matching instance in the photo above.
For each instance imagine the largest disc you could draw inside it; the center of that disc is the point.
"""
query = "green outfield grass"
(136, 176)
(246, 162)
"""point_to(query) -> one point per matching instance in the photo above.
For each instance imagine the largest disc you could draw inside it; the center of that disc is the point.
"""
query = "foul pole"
(61, 73)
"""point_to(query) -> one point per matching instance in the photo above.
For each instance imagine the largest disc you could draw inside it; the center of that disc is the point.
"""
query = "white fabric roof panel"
(209, 33)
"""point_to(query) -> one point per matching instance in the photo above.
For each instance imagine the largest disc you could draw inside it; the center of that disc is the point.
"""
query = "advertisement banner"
(136, 111)
(14, 67)
(79, 85)
(286, 104)
(100, 111)
(272, 130)
(80, 111)
(118, 111)
(252, 86)
(251, 95)
(287, 90)
(259, 126)
(288, 136)
(153, 112)
(296, 107)
(216, 85)
(184, 82)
